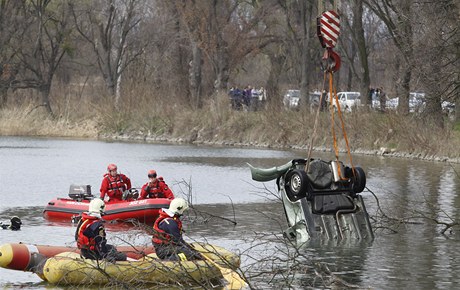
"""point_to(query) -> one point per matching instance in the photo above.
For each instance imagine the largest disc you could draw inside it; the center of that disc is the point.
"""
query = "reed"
(147, 116)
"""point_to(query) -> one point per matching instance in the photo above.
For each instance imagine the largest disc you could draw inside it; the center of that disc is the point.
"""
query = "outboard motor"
(80, 192)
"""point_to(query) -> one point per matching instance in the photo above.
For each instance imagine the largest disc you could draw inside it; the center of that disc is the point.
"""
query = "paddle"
(234, 280)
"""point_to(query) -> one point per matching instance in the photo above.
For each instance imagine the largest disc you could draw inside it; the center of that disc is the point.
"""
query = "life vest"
(156, 190)
(83, 242)
(160, 237)
(116, 185)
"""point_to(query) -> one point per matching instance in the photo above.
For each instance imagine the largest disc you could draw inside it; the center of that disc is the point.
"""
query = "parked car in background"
(392, 104)
(293, 100)
(348, 101)
(448, 107)
(417, 102)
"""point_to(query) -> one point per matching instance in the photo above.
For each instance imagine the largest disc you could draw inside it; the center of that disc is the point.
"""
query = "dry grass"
(31, 121)
(147, 115)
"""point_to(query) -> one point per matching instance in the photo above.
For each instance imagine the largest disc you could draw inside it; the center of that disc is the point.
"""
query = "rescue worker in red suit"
(114, 184)
(167, 238)
(91, 238)
(156, 187)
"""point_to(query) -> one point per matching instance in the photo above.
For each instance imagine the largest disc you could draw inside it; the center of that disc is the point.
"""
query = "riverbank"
(384, 152)
(368, 133)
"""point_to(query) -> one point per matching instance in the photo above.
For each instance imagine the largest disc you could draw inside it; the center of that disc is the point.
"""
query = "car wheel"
(296, 184)
(359, 180)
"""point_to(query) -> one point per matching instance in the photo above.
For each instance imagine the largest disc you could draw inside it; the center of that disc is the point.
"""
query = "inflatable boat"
(321, 199)
(29, 257)
(64, 266)
(144, 210)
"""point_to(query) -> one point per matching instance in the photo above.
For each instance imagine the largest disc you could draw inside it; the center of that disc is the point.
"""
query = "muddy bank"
(385, 152)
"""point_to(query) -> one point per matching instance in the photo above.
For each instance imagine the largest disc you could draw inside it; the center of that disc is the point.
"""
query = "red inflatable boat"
(145, 210)
(27, 257)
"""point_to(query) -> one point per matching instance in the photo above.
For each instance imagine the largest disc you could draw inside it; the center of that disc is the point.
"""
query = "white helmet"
(97, 206)
(178, 206)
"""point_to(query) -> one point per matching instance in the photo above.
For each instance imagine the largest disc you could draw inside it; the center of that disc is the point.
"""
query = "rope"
(339, 112)
(307, 165)
(332, 97)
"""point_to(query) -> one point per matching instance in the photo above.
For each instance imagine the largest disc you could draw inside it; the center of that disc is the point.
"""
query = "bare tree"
(40, 49)
(10, 15)
(437, 58)
(223, 33)
(358, 46)
(299, 39)
(109, 27)
(398, 18)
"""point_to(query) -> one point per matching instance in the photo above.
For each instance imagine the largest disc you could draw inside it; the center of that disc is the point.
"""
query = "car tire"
(296, 184)
(359, 180)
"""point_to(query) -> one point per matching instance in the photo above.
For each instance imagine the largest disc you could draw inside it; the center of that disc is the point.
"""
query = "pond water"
(406, 253)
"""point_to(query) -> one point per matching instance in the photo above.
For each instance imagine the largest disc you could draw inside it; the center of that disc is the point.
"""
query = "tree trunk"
(403, 89)
(222, 74)
(362, 52)
(195, 76)
(45, 98)
(306, 18)
(180, 58)
(277, 63)
(118, 88)
(3, 96)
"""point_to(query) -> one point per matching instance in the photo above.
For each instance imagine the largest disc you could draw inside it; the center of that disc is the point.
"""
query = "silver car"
(291, 99)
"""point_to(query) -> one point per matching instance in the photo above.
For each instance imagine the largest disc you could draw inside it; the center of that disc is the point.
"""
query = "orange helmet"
(151, 173)
(111, 166)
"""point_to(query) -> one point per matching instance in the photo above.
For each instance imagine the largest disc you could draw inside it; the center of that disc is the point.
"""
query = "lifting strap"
(328, 74)
(328, 31)
(333, 97)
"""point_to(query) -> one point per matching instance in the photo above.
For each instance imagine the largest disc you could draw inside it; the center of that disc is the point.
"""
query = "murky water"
(403, 255)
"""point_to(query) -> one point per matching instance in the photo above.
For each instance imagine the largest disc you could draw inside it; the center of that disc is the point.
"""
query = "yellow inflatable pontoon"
(68, 268)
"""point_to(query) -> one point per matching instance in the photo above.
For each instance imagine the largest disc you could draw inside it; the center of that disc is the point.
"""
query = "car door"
(342, 100)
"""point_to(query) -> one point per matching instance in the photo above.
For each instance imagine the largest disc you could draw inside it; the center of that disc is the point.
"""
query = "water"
(403, 255)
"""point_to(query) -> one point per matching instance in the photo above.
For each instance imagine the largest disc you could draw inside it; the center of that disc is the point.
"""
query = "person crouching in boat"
(114, 184)
(155, 188)
(91, 238)
(167, 237)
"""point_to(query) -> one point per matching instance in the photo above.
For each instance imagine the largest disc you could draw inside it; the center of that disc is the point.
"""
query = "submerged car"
(321, 199)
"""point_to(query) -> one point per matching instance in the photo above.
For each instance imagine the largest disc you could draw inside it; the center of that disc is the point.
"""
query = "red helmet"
(111, 166)
(152, 173)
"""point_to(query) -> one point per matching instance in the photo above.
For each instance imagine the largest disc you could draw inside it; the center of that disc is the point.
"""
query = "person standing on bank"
(167, 237)
(156, 187)
(114, 184)
(91, 238)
